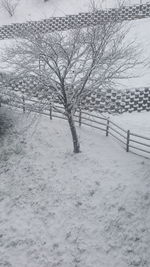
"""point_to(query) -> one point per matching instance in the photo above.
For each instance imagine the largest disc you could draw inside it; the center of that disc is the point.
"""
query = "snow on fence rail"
(132, 142)
(139, 145)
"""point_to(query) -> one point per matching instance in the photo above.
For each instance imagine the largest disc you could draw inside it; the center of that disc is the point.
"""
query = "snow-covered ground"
(27, 10)
(61, 209)
(66, 210)
(137, 122)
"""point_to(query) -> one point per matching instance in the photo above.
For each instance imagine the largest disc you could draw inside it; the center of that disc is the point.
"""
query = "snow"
(27, 10)
(62, 209)
(136, 122)
(30, 10)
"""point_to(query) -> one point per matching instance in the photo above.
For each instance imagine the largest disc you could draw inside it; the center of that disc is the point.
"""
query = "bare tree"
(10, 6)
(75, 63)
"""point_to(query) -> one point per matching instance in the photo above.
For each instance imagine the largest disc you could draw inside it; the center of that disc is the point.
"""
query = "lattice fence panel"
(112, 101)
(75, 21)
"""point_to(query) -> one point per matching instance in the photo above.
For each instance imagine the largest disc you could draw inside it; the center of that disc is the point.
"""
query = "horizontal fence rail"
(131, 142)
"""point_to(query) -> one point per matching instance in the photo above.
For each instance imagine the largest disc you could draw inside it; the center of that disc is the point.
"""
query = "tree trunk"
(75, 140)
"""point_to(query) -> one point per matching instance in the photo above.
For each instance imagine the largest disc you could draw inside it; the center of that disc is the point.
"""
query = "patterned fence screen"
(113, 101)
(75, 21)
(110, 100)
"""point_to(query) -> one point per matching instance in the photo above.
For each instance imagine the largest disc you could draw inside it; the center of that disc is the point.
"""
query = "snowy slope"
(60, 209)
(136, 122)
(38, 9)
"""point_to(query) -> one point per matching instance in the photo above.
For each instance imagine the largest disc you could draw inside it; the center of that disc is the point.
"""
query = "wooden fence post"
(80, 116)
(128, 140)
(24, 105)
(50, 111)
(107, 127)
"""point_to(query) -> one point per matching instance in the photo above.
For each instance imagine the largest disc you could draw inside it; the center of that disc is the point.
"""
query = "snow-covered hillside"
(60, 209)
(28, 10)
(136, 122)
(40, 9)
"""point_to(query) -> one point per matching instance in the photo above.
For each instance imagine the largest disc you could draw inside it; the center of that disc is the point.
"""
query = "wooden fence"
(130, 141)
